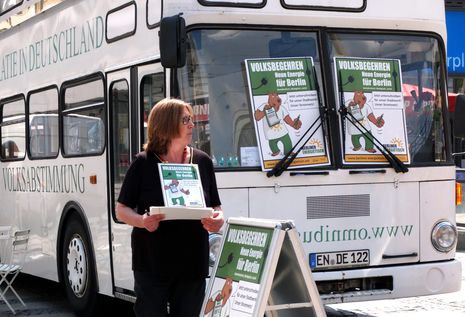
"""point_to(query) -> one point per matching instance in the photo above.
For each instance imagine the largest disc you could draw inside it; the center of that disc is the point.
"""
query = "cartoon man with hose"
(274, 115)
(362, 112)
(217, 302)
(176, 192)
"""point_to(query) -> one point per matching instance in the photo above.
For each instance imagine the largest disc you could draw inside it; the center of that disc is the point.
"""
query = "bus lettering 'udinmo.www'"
(325, 234)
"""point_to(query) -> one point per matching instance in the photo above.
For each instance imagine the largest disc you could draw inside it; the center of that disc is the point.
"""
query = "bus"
(78, 79)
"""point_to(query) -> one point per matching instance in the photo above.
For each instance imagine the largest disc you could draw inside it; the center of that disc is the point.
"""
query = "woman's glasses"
(187, 119)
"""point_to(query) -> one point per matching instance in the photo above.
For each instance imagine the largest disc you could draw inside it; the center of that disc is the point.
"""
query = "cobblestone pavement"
(47, 299)
(43, 298)
(450, 305)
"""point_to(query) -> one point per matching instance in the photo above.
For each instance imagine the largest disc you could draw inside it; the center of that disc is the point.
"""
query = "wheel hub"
(77, 266)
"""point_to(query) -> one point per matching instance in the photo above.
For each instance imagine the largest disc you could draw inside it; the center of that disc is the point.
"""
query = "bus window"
(6, 5)
(43, 124)
(13, 130)
(83, 115)
(214, 83)
(422, 78)
(152, 91)
(119, 94)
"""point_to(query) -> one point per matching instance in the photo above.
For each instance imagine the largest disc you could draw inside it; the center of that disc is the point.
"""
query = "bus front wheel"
(78, 269)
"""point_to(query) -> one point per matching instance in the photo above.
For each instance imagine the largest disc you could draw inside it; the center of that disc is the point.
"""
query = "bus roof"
(70, 39)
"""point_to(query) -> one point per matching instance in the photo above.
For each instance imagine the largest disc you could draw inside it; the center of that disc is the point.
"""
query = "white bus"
(78, 80)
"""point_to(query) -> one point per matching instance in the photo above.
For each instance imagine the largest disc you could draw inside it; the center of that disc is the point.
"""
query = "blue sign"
(455, 21)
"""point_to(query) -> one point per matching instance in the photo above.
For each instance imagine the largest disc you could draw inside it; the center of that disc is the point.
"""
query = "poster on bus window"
(370, 92)
(286, 111)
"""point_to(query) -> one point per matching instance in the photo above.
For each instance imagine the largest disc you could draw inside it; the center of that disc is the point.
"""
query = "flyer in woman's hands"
(182, 192)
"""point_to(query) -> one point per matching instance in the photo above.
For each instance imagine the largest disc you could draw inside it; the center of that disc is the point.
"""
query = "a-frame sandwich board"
(261, 271)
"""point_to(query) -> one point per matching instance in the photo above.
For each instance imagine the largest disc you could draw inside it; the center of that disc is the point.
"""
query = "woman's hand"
(151, 222)
(215, 222)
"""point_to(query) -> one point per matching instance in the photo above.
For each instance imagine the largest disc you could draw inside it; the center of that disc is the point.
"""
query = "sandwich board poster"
(181, 185)
(371, 91)
(239, 272)
(286, 110)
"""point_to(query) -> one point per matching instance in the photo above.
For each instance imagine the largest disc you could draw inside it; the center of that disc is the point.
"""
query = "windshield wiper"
(395, 162)
(284, 163)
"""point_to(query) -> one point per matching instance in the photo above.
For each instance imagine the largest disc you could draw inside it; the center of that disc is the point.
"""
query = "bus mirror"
(459, 117)
(172, 36)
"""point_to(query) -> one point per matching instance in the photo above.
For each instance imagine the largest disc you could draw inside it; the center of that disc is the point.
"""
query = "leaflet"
(181, 185)
(182, 213)
(182, 193)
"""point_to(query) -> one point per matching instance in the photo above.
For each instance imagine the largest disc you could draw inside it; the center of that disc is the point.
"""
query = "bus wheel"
(214, 241)
(78, 269)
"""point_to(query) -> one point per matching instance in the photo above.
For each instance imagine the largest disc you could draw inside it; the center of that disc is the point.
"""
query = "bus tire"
(79, 276)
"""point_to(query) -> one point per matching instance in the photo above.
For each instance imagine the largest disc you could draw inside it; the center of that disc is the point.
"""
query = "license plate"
(327, 260)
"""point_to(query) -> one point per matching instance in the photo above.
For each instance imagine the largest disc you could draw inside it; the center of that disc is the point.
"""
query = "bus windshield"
(215, 83)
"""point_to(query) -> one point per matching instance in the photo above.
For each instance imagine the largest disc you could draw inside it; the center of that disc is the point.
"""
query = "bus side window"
(83, 118)
(43, 123)
(119, 100)
(152, 91)
(13, 129)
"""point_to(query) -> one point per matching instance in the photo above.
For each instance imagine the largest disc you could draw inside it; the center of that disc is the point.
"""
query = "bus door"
(122, 140)
(132, 93)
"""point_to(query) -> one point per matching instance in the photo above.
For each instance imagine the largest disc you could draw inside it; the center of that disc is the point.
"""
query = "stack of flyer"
(182, 193)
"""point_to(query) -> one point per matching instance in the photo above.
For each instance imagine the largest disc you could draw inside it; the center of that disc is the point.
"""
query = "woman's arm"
(132, 218)
(215, 222)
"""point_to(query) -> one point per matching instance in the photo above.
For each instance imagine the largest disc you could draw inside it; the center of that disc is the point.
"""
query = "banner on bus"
(370, 91)
(286, 110)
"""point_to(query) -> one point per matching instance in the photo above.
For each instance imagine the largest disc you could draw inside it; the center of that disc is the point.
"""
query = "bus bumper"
(405, 281)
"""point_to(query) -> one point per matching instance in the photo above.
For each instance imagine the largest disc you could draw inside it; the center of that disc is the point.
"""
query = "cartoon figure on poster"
(218, 304)
(274, 115)
(363, 113)
(176, 192)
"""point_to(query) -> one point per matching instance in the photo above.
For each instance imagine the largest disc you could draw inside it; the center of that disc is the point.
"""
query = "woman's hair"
(163, 124)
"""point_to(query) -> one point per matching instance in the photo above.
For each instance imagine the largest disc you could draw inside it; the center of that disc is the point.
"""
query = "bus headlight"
(214, 239)
(444, 236)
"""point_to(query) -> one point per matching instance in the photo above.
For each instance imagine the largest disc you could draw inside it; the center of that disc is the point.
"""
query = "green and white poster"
(181, 185)
(371, 92)
(285, 104)
(239, 272)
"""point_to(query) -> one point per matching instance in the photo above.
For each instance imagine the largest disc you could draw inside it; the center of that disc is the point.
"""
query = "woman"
(169, 258)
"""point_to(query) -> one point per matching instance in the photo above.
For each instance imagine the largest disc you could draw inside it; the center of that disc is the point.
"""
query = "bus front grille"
(338, 206)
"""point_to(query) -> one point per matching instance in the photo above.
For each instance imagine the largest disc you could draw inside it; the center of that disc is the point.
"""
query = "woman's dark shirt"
(177, 247)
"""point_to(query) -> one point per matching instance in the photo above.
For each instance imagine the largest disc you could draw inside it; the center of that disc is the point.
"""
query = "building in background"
(455, 19)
